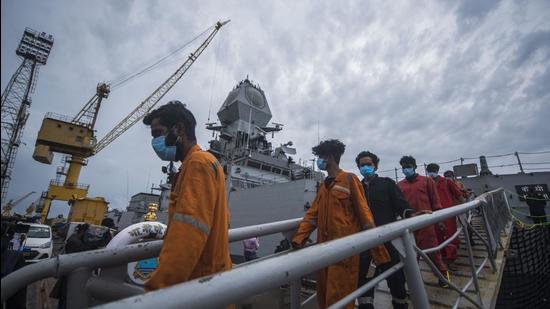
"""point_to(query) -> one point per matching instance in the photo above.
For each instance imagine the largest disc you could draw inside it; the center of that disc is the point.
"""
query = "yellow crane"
(8, 207)
(75, 138)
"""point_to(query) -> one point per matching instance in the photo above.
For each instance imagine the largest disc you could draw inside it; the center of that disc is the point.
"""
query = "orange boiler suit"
(338, 211)
(448, 192)
(421, 194)
(196, 243)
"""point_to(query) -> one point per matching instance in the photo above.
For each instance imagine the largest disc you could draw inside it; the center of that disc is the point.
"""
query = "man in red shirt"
(421, 193)
(448, 191)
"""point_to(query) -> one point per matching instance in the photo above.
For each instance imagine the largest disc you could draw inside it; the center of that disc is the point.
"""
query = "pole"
(295, 287)
(249, 124)
(418, 293)
(396, 178)
(519, 162)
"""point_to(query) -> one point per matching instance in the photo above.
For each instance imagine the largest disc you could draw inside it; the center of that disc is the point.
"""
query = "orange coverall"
(448, 192)
(421, 194)
(338, 211)
(196, 243)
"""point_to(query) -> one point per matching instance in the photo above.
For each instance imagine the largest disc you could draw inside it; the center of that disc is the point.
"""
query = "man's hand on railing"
(307, 242)
(296, 245)
(422, 212)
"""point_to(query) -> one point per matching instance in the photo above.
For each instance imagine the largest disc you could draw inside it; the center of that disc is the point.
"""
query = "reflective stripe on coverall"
(196, 243)
(339, 211)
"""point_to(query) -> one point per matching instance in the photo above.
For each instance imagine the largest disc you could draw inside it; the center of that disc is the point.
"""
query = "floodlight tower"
(34, 50)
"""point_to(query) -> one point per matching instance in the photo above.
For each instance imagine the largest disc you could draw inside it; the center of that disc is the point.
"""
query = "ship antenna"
(318, 136)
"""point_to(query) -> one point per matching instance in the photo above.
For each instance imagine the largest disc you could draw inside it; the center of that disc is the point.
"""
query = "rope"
(531, 153)
(126, 78)
(502, 155)
(528, 215)
(213, 79)
(525, 225)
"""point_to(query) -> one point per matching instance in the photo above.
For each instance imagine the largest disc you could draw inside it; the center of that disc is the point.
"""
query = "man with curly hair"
(339, 209)
(196, 242)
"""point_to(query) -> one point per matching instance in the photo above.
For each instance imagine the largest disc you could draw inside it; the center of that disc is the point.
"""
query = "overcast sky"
(437, 80)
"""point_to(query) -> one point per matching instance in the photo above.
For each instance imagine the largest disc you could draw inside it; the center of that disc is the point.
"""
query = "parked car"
(38, 244)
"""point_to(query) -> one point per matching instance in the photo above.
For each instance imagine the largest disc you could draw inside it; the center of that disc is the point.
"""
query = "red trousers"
(450, 251)
(427, 238)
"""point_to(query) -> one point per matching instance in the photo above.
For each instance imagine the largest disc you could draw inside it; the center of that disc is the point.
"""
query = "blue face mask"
(408, 171)
(322, 164)
(165, 153)
(366, 170)
(433, 175)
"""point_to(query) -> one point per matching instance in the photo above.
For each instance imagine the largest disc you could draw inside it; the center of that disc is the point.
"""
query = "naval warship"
(259, 173)
(266, 185)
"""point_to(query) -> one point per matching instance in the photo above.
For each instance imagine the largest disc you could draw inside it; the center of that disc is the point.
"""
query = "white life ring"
(140, 271)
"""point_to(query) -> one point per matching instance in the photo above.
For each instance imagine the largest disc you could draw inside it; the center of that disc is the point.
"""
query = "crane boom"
(87, 116)
(141, 110)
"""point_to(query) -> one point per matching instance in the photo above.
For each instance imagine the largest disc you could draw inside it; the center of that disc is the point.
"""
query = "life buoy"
(140, 271)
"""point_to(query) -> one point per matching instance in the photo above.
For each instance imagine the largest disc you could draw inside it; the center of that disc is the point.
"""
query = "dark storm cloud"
(437, 80)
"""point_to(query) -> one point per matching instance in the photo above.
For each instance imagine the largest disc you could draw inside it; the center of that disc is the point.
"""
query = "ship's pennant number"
(522, 190)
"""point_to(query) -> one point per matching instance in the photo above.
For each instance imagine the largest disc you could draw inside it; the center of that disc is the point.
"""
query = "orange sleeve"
(455, 190)
(189, 226)
(379, 253)
(308, 224)
(433, 195)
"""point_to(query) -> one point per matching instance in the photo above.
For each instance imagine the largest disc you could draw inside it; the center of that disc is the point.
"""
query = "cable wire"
(531, 153)
(128, 77)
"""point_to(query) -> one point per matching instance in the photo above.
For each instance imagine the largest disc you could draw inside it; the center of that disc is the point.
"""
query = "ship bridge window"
(276, 170)
(254, 164)
(266, 168)
(285, 173)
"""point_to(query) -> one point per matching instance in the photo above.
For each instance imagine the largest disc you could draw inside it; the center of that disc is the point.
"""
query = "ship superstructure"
(258, 173)
(241, 141)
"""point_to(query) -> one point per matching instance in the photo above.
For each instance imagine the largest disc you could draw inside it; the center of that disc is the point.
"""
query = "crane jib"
(141, 110)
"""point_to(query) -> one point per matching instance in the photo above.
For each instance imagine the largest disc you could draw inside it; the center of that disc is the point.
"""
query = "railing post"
(473, 268)
(519, 162)
(419, 297)
(77, 294)
(295, 287)
(491, 240)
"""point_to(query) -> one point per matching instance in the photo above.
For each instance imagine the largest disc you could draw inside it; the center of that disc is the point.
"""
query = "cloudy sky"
(438, 80)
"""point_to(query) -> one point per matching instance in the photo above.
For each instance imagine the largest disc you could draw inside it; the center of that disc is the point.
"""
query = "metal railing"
(61, 183)
(251, 278)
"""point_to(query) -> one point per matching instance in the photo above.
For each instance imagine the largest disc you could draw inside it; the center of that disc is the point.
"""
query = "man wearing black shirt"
(386, 203)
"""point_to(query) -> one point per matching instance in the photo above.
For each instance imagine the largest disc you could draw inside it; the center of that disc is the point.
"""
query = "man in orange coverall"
(448, 191)
(422, 196)
(339, 209)
(450, 175)
(196, 243)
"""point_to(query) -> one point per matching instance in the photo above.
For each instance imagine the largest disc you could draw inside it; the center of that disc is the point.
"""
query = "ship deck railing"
(286, 267)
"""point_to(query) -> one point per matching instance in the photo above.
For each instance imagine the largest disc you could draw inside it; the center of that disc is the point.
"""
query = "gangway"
(487, 217)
